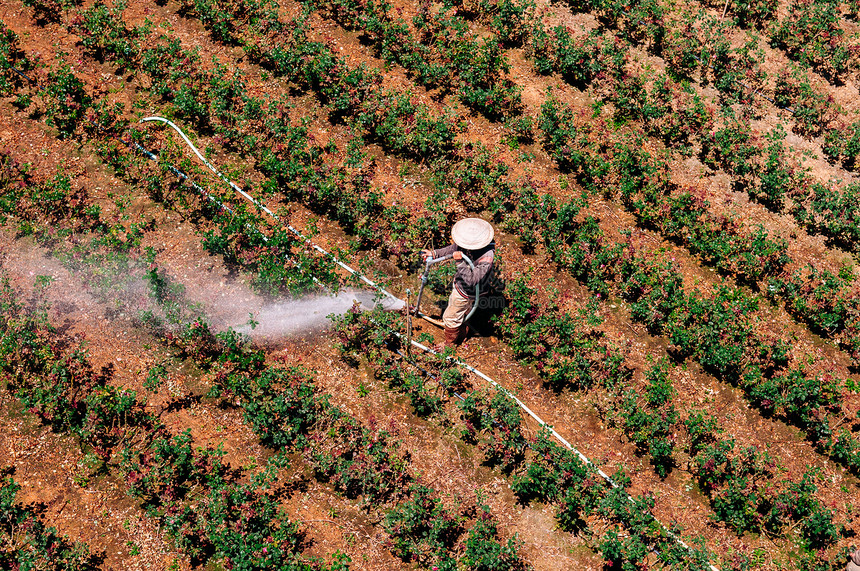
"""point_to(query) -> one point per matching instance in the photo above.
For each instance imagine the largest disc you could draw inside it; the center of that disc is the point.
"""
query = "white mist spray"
(222, 304)
(305, 315)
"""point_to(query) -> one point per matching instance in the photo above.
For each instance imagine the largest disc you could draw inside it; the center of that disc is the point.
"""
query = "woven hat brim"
(472, 233)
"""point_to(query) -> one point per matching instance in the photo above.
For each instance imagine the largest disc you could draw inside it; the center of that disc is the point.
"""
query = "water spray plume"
(308, 314)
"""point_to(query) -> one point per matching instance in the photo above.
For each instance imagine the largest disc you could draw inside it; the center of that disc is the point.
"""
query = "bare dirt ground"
(97, 510)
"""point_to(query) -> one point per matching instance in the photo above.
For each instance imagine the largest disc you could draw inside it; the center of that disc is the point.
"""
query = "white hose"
(414, 343)
(213, 199)
(262, 207)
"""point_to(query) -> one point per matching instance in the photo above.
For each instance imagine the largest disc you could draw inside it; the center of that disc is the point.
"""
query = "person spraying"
(472, 237)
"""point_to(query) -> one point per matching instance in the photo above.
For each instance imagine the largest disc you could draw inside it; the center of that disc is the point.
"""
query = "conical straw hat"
(472, 233)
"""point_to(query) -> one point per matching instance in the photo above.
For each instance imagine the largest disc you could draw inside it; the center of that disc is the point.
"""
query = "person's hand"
(458, 255)
(425, 254)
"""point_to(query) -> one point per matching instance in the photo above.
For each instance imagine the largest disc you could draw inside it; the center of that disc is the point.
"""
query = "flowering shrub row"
(64, 101)
(648, 416)
(423, 530)
(627, 171)
(211, 512)
(704, 239)
(57, 385)
(811, 33)
(700, 44)
(102, 32)
(822, 299)
(644, 309)
(564, 348)
(718, 329)
(394, 119)
(319, 175)
(12, 57)
(239, 234)
(621, 165)
(609, 543)
(743, 484)
(759, 166)
(698, 41)
(281, 407)
(538, 468)
(27, 543)
(437, 50)
(286, 411)
(562, 234)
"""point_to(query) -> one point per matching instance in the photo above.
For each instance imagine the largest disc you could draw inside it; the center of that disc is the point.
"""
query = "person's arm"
(447, 250)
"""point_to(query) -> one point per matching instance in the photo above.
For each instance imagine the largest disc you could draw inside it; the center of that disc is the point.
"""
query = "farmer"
(853, 561)
(474, 238)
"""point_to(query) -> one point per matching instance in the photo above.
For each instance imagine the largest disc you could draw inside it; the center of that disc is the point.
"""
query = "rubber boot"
(452, 336)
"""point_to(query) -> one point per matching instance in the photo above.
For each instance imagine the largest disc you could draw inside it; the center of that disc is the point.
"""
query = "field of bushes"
(674, 190)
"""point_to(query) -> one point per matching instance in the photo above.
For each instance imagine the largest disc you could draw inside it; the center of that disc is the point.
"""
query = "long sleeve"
(449, 249)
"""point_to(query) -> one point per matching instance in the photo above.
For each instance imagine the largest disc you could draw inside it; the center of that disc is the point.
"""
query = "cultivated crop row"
(591, 260)
(338, 451)
(538, 228)
(722, 358)
(194, 342)
(212, 511)
(27, 543)
(741, 483)
(800, 412)
(819, 297)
